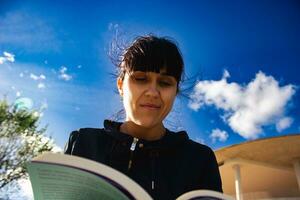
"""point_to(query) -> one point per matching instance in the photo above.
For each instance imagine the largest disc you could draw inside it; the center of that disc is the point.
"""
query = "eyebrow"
(166, 74)
(168, 77)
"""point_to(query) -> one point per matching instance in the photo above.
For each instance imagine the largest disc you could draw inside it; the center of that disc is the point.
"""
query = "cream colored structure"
(262, 169)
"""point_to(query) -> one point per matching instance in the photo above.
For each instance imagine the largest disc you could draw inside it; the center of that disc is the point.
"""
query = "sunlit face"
(147, 97)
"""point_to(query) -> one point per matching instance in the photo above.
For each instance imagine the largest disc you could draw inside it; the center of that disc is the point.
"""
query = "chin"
(147, 123)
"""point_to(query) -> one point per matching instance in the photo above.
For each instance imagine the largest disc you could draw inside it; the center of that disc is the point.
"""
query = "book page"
(58, 182)
(114, 177)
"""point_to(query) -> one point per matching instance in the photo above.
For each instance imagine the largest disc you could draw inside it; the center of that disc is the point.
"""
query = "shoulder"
(85, 133)
(84, 138)
(189, 147)
(82, 131)
(199, 163)
(200, 155)
(199, 151)
(199, 148)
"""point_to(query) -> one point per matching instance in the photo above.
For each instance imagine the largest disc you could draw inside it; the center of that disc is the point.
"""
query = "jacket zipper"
(132, 148)
(152, 171)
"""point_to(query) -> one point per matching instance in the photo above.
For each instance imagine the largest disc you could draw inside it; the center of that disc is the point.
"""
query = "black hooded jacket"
(165, 168)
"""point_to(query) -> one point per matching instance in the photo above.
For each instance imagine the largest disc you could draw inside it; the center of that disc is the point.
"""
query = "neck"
(150, 134)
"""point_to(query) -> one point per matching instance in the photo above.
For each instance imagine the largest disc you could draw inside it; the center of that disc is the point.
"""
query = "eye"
(140, 78)
(165, 83)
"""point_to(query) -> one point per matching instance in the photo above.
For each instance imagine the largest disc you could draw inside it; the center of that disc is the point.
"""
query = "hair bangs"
(151, 54)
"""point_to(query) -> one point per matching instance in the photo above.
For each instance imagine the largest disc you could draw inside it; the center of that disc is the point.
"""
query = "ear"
(120, 86)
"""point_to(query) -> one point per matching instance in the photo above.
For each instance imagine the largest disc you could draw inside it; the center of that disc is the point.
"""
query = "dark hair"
(152, 54)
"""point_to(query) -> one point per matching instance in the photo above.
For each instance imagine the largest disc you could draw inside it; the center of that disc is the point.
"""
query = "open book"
(64, 177)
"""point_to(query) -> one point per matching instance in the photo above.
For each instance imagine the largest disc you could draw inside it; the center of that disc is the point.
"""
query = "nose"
(152, 90)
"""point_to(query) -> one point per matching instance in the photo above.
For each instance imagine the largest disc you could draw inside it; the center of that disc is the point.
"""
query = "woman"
(164, 163)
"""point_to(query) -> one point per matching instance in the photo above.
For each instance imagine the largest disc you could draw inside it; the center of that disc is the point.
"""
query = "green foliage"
(20, 140)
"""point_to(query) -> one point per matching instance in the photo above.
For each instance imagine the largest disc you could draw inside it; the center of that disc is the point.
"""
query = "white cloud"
(247, 108)
(63, 75)
(41, 86)
(226, 74)
(42, 77)
(284, 123)
(219, 93)
(10, 57)
(7, 57)
(36, 78)
(2, 60)
(219, 135)
(63, 69)
(200, 140)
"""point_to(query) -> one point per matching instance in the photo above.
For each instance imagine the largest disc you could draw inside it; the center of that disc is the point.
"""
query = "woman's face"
(147, 97)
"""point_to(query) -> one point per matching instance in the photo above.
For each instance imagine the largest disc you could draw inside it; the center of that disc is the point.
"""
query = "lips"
(150, 106)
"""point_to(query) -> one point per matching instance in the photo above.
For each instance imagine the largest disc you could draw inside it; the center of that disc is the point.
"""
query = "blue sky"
(246, 53)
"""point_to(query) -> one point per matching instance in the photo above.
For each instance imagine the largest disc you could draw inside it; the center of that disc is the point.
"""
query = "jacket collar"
(169, 139)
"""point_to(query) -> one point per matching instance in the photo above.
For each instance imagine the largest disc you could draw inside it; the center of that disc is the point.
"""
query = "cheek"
(169, 100)
(130, 98)
(127, 101)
